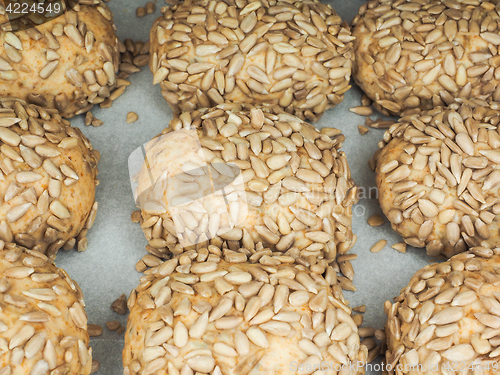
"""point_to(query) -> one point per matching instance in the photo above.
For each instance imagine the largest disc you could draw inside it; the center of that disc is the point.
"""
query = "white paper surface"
(106, 269)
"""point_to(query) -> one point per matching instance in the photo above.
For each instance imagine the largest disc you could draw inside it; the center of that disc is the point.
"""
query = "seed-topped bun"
(68, 63)
(295, 54)
(43, 325)
(438, 178)
(447, 318)
(294, 191)
(413, 55)
(47, 179)
(198, 313)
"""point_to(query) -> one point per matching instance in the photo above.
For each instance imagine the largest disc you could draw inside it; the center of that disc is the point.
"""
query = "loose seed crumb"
(95, 366)
(88, 118)
(369, 342)
(401, 247)
(138, 47)
(113, 325)
(128, 68)
(372, 164)
(375, 221)
(96, 122)
(362, 111)
(366, 332)
(132, 117)
(129, 45)
(150, 7)
(363, 129)
(373, 354)
(121, 330)
(140, 12)
(94, 330)
(141, 60)
(366, 101)
(378, 246)
(380, 334)
(127, 58)
(368, 122)
(360, 309)
(120, 305)
(136, 216)
(347, 269)
(122, 82)
(121, 46)
(145, 48)
(358, 319)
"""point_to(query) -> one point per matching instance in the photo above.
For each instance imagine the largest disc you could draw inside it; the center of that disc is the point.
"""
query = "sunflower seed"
(78, 315)
(378, 246)
(132, 117)
(362, 111)
(256, 336)
(74, 34)
(59, 210)
(375, 220)
(462, 351)
(202, 363)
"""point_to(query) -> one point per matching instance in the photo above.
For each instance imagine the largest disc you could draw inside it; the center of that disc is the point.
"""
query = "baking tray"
(106, 269)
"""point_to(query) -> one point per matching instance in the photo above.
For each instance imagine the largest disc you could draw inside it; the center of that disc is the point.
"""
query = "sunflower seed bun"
(198, 313)
(68, 63)
(438, 178)
(297, 55)
(47, 179)
(43, 325)
(237, 176)
(447, 318)
(414, 56)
